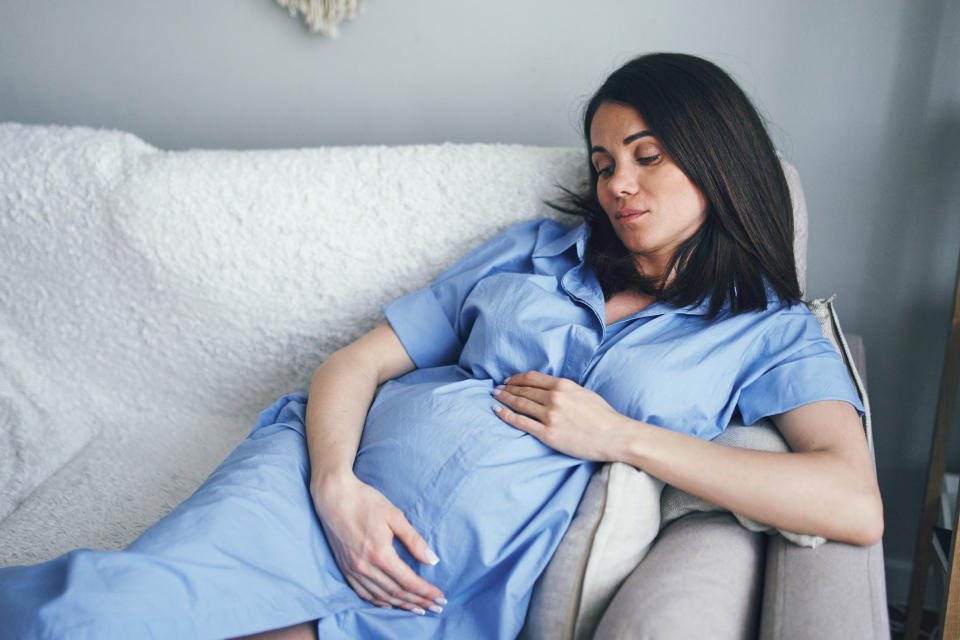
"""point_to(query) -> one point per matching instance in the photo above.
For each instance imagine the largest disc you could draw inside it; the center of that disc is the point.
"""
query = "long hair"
(713, 133)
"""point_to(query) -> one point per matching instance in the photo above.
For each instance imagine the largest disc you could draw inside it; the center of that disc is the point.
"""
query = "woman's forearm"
(341, 393)
(820, 491)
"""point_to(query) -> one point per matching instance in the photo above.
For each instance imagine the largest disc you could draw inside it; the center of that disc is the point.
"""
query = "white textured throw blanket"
(153, 303)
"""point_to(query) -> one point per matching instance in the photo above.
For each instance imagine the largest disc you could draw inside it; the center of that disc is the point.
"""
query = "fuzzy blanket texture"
(154, 302)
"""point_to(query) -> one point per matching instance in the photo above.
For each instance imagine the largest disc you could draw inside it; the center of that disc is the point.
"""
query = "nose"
(624, 181)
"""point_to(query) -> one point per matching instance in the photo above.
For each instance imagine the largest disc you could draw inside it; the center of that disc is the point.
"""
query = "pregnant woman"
(428, 509)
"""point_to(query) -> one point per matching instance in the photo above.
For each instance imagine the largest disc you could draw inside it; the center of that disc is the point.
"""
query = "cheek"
(603, 197)
(692, 200)
(698, 206)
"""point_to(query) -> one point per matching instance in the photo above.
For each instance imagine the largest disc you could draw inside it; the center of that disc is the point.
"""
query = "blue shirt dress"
(245, 553)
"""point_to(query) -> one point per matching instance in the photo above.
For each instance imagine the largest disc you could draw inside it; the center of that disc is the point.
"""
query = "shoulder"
(790, 332)
(780, 330)
(784, 321)
(792, 364)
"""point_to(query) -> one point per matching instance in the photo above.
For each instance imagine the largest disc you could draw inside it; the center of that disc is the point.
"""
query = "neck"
(654, 267)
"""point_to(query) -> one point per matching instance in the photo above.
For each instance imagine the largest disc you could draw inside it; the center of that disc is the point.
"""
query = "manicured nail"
(496, 392)
(435, 608)
(440, 600)
(418, 611)
(431, 556)
(497, 408)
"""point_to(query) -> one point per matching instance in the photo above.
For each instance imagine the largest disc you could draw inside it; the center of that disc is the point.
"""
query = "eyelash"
(644, 160)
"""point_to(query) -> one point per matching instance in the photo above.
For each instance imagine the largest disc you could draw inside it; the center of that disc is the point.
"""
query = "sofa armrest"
(837, 590)
(858, 354)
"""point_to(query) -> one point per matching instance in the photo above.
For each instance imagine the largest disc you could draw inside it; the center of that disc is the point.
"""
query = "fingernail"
(431, 556)
(500, 386)
(418, 611)
(440, 600)
(385, 606)
(436, 609)
(497, 408)
(496, 392)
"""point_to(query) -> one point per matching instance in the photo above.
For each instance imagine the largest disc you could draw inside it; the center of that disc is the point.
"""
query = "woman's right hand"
(360, 525)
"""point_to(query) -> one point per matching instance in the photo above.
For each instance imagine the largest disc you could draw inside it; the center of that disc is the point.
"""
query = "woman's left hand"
(562, 414)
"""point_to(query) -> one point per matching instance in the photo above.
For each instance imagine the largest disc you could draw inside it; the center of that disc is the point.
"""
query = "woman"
(633, 337)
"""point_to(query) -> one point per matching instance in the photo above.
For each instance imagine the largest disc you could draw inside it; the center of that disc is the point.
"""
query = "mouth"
(627, 215)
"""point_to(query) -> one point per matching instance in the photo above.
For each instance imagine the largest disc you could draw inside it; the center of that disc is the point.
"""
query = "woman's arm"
(360, 523)
(826, 486)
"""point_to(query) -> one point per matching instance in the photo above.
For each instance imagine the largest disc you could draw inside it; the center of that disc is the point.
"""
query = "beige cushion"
(617, 520)
(620, 515)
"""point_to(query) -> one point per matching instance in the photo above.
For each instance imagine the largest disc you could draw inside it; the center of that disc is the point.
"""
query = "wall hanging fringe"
(323, 15)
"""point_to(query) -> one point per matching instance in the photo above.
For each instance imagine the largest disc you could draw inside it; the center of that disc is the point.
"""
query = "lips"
(626, 215)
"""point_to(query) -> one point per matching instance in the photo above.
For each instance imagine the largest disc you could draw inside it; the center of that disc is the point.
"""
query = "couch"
(153, 302)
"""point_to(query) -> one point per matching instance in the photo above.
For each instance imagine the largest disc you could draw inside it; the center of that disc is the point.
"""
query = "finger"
(402, 582)
(396, 594)
(419, 549)
(379, 587)
(540, 396)
(521, 404)
(533, 379)
(395, 577)
(372, 584)
(412, 540)
(365, 593)
(514, 419)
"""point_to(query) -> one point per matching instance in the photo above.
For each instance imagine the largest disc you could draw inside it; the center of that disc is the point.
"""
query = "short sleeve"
(427, 321)
(796, 366)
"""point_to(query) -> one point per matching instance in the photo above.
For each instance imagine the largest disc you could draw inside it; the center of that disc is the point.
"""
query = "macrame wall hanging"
(323, 15)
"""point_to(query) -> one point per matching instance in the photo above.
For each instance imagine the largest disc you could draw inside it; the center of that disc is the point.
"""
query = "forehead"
(613, 121)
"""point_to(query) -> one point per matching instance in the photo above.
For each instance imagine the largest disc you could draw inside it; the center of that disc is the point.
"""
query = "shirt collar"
(692, 310)
(576, 236)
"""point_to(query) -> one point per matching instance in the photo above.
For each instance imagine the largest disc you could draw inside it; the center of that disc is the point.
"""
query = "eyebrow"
(640, 134)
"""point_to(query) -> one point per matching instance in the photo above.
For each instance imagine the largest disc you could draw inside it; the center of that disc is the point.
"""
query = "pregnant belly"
(476, 488)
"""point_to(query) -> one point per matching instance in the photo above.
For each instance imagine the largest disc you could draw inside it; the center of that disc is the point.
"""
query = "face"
(650, 202)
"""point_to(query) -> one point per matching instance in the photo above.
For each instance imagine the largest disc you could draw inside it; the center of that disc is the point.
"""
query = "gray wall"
(863, 97)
